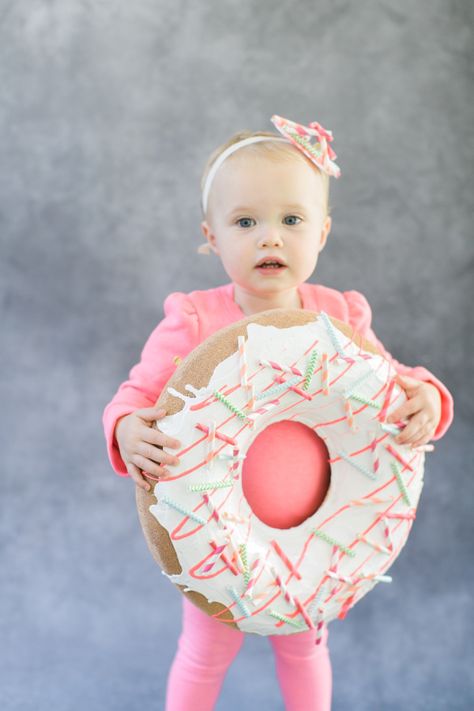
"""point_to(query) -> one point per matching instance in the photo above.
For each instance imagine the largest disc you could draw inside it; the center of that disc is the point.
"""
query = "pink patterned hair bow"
(318, 151)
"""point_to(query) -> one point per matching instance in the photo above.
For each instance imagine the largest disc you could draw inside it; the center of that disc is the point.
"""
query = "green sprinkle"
(243, 555)
(230, 405)
(310, 369)
(364, 400)
(288, 620)
(401, 485)
(210, 485)
(333, 542)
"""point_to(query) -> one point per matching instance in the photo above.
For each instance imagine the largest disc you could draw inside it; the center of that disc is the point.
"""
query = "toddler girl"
(266, 215)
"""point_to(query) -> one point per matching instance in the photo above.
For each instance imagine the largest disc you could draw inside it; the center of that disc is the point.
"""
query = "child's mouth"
(270, 266)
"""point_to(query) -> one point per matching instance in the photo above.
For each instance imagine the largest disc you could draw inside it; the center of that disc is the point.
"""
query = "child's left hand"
(422, 409)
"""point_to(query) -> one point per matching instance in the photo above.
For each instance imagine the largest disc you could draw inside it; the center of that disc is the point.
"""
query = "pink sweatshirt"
(191, 318)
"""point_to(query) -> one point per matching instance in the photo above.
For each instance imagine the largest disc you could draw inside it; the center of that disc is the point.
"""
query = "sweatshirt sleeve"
(176, 335)
(360, 318)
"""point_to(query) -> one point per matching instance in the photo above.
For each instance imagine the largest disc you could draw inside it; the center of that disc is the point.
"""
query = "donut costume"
(233, 378)
(290, 365)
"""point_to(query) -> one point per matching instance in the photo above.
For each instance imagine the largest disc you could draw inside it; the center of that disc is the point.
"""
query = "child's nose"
(270, 236)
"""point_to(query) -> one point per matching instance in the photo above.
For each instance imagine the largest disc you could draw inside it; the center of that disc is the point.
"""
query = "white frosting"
(336, 517)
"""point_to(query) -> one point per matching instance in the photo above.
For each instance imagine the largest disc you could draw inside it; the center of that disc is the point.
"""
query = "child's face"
(262, 208)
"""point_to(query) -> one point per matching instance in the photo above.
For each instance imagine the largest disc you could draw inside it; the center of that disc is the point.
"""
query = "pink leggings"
(206, 649)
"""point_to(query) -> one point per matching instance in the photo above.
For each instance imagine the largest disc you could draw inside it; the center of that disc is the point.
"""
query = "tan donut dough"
(197, 368)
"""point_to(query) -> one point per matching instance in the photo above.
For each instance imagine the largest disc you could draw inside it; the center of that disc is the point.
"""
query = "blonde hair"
(273, 150)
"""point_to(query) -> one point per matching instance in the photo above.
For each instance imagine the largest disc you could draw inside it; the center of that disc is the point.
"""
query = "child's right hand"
(139, 444)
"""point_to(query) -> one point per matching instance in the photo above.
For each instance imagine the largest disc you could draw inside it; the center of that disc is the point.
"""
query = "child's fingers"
(149, 414)
(149, 466)
(159, 438)
(417, 427)
(409, 407)
(155, 454)
(424, 434)
(420, 441)
(408, 383)
(138, 477)
(407, 436)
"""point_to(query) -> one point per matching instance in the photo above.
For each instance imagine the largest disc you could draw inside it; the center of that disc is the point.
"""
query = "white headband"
(225, 154)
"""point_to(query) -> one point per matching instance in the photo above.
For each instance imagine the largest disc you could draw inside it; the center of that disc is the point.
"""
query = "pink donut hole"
(286, 474)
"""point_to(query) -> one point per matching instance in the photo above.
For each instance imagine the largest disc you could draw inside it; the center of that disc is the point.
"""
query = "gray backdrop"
(108, 111)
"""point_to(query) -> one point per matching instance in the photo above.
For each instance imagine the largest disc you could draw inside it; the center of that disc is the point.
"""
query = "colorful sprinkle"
(211, 435)
(243, 361)
(228, 563)
(325, 374)
(332, 333)
(252, 400)
(219, 435)
(215, 514)
(231, 457)
(301, 392)
(211, 485)
(376, 546)
(370, 501)
(181, 509)
(401, 485)
(391, 429)
(252, 578)
(386, 403)
(324, 536)
(360, 398)
(398, 457)
(319, 631)
(215, 555)
(233, 408)
(279, 366)
(245, 564)
(279, 581)
(264, 408)
(285, 559)
(302, 610)
(359, 468)
(408, 515)
(349, 415)
(277, 389)
(310, 369)
(316, 603)
(234, 518)
(236, 597)
(288, 620)
(354, 579)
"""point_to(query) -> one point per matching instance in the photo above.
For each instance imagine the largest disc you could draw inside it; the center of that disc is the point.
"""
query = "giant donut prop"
(301, 367)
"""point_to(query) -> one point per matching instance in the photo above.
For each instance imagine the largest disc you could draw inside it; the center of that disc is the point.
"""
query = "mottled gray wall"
(108, 111)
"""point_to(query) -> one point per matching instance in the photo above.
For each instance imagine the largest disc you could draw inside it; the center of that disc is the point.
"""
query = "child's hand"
(139, 444)
(422, 408)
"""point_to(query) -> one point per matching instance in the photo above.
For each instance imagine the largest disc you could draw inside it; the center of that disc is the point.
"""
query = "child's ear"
(325, 232)
(209, 235)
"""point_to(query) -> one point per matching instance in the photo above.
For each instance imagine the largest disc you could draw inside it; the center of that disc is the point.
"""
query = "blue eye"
(246, 222)
(290, 217)
(245, 219)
